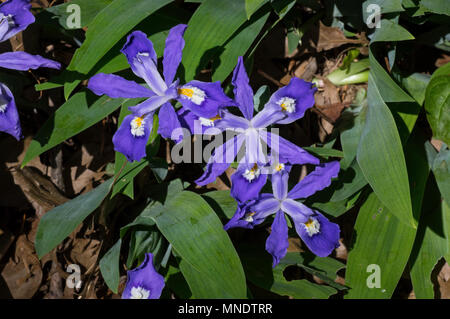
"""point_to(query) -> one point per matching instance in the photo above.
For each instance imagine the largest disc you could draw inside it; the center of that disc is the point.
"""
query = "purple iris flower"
(317, 232)
(286, 105)
(201, 98)
(15, 16)
(144, 282)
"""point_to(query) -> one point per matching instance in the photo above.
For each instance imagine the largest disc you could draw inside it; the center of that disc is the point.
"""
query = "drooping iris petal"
(132, 136)
(293, 100)
(115, 86)
(23, 61)
(298, 212)
(144, 282)
(315, 181)
(9, 117)
(143, 60)
(203, 98)
(247, 182)
(239, 218)
(173, 52)
(15, 16)
(221, 159)
(291, 152)
(169, 123)
(277, 242)
(196, 124)
(243, 93)
(319, 234)
(280, 184)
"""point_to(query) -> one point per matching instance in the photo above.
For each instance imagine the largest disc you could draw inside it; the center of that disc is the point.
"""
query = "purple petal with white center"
(315, 181)
(221, 159)
(238, 219)
(16, 18)
(291, 152)
(296, 210)
(277, 242)
(293, 100)
(143, 60)
(23, 61)
(264, 206)
(173, 52)
(197, 125)
(229, 121)
(243, 189)
(115, 86)
(280, 184)
(169, 125)
(243, 93)
(9, 117)
(325, 240)
(131, 145)
(206, 100)
(143, 281)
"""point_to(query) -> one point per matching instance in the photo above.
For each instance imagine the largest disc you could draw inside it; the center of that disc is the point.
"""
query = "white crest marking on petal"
(312, 226)
(287, 104)
(137, 126)
(192, 93)
(251, 174)
(139, 293)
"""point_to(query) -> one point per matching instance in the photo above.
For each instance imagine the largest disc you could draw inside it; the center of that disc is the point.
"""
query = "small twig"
(268, 77)
(118, 174)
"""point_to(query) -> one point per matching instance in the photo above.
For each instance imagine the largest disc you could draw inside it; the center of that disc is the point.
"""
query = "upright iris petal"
(317, 232)
(144, 282)
(204, 100)
(15, 16)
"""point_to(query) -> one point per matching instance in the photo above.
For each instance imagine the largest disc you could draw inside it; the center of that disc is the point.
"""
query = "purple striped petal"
(150, 105)
(243, 93)
(169, 123)
(115, 86)
(298, 212)
(221, 159)
(131, 138)
(315, 181)
(203, 98)
(290, 152)
(16, 17)
(247, 182)
(319, 234)
(280, 184)
(293, 100)
(173, 52)
(143, 61)
(254, 151)
(229, 121)
(144, 282)
(9, 117)
(23, 61)
(266, 117)
(277, 242)
(196, 124)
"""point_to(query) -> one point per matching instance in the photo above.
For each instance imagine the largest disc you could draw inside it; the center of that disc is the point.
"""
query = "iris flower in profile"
(317, 232)
(144, 282)
(202, 98)
(15, 16)
(285, 106)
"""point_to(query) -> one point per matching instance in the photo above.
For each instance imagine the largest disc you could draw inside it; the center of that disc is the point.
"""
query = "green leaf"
(81, 111)
(239, 44)
(88, 10)
(261, 97)
(323, 151)
(431, 242)
(380, 239)
(381, 159)
(109, 266)
(437, 105)
(259, 271)
(197, 235)
(223, 18)
(221, 201)
(59, 223)
(251, 6)
(441, 170)
(107, 28)
(437, 6)
(391, 31)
